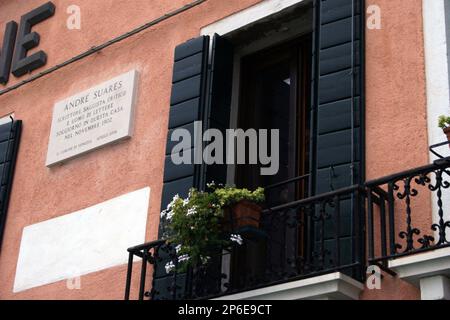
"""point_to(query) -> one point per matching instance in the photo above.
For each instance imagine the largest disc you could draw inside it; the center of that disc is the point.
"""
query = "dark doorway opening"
(275, 94)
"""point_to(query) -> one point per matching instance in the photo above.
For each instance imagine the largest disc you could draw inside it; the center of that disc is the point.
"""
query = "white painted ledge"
(333, 286)
(248, 16)
(428, 271)
(413, 268)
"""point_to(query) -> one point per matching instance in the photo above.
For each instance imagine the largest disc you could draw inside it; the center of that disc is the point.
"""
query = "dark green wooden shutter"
(187, 105)
(337, 90)
(200, 92)
(220, 100)
(9, 144)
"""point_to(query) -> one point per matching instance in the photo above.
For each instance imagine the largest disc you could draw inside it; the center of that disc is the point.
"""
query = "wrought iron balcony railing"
(401, 224)
(344, 231)
(148, 253)
(293, 241)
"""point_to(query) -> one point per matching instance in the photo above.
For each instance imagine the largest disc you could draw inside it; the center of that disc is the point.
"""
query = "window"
(305, 77)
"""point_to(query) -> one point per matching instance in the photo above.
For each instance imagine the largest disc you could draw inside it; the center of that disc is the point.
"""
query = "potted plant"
(241, 206)
(444, 124)
(197, 226)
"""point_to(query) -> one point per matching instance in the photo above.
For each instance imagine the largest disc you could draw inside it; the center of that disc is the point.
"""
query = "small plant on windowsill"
(198, 228)
(444, 124)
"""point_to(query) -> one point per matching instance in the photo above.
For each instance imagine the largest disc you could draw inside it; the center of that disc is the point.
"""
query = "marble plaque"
(92, 119)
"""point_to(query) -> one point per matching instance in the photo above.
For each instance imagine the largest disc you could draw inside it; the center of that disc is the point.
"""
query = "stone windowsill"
(428, 264)
(333, 286)
(428, 271)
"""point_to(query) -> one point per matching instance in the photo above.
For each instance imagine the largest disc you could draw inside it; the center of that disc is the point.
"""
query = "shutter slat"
(172, 188)
(186, 89)
(174, 172)
(171, 144)
(336, 116)
(5, 132)
(333, 10)
(187, 67)
(341, 177)
(190, 48)
(184, 113)
(335, 148)
(338, 58)
(339, 32)
(337, 86)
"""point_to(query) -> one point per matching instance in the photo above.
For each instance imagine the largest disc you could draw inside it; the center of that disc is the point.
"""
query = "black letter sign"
(7, 51)
(27, 40)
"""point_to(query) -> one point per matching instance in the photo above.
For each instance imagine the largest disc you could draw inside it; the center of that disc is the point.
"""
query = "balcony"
(304, 239)
(320, 247)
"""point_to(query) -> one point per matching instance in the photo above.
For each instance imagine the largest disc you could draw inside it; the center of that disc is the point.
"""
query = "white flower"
(185, 202)
(191, 211)
(170, 266)
(178, 248)
(172, 203)
(237, 238)
(205, 259)
(169, 215)
(211, 184)
(183, 258)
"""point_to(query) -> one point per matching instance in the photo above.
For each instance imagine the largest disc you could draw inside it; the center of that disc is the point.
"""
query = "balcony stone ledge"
(333, 286)
(428, 271)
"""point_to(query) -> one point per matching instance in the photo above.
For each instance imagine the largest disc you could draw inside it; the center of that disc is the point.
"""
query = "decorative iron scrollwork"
(403, 203)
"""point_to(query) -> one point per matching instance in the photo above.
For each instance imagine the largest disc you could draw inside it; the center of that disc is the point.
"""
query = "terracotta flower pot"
(447, 132)
(242, 214)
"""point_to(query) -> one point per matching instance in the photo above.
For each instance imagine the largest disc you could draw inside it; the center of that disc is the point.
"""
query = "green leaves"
(444, 122)
(195, 224)
(230, 195)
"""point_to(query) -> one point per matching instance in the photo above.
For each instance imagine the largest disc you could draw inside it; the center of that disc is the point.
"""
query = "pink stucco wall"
(396, 123)
(111, 171)
(395, 101)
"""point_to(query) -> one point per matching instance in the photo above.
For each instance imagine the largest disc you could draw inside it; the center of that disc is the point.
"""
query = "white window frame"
(6, 119)
(437, 40)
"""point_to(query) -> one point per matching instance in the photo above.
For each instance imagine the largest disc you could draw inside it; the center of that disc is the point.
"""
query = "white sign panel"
(93, 118)
(83, 242)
